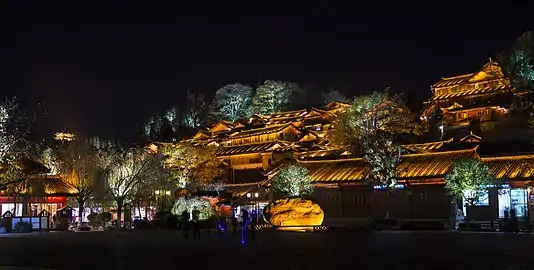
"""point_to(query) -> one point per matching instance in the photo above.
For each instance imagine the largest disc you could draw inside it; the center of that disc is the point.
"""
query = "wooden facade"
(467, 105)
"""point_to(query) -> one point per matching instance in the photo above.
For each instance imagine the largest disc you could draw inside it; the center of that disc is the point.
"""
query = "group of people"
(245, 223)
(191, 221)
(510, 219)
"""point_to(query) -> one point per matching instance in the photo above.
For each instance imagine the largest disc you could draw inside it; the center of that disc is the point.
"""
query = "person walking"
(253, 223)
(234, 223)
(196, 227)
(185, 224)
(513, 217)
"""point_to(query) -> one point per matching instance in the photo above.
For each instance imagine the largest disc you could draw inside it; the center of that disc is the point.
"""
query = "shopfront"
(35, 205)
(502, 200)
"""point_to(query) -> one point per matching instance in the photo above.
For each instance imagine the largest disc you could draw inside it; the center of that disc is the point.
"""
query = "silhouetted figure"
(185, 224)
(506, 220)
(234, 224)
(196, 220)
(244, 223)
(253, 223)
(513, 217)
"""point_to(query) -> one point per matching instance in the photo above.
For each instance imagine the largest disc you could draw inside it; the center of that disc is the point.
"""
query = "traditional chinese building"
(473, 111)
(480, 102)
(40, 191)
(343, 191)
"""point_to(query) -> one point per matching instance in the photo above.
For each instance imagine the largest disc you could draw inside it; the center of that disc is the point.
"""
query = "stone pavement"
(271, 250)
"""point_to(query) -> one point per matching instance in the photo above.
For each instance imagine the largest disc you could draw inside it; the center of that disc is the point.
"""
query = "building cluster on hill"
(478, 115)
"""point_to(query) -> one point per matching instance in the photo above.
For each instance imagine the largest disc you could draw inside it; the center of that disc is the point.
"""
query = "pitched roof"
(412, 167)
(260, 131)
(490, 66)
(511, 167)
(38, 185)
(478, 91)
(250, 148)
(426, 147)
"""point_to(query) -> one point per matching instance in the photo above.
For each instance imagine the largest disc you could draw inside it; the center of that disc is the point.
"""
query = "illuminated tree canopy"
(192, 165)
(79, 165)
(273, 96)
(13, 127)
(467, 178)
(375, 123)
(194, 112)
(292, 181)
(231, 103)
(188, 204)
(518, 62)
(128, 169)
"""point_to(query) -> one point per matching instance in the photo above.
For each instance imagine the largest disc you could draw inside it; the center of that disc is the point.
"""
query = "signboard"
(51, 199)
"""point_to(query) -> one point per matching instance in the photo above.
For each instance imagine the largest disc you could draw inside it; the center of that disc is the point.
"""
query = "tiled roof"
(287, 114)
(426, 147)
(349, 170)
(413, 166)
(39, 185)
(249, 148)
(511, 167)
(54, 185)
(259, 131)
(452, 80)
(470, 92)
(431, 164)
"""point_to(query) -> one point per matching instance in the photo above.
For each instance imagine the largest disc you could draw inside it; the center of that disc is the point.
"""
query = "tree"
(194, 113)
(333, 95)
(375, 124)
(468, 178)
(129, 169)
(273, 96)
(192, 165)
(79, 165)
(187, 204)
(231, 103)
(14, 127)
(292, 181)
(518, 62)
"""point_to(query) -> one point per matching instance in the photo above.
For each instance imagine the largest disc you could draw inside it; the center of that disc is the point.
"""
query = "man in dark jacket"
(196, 220)
(185, 224)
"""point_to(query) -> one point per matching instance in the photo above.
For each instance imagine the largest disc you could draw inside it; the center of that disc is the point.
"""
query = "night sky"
(103, 69)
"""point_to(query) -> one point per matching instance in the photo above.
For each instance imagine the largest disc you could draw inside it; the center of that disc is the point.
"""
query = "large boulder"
(294, 212)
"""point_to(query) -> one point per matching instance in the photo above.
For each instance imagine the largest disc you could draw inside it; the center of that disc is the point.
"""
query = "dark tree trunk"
(81, 204)
(120, 203)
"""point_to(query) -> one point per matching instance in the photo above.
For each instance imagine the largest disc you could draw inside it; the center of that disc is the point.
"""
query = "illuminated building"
(479, 102)
(64, 136)
(40, 191)
(472, 110)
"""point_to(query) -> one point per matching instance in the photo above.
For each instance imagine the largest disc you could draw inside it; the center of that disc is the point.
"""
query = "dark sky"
(103, 69)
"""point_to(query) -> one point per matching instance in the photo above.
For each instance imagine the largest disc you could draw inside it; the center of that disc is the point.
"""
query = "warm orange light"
(64, 136)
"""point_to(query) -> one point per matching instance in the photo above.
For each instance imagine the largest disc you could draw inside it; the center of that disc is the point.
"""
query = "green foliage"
(518, 62)
(231, 103)
(191, 164)
(188, 204)
(375, 124)
(292, 181)
(127, 169)
(273, 96)
(467, 177)
(194, 113)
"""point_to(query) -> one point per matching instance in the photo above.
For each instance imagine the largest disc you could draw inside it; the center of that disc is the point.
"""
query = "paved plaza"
(270, 250)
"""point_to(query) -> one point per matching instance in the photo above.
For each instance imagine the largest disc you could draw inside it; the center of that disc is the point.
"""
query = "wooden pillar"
(25, 205)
